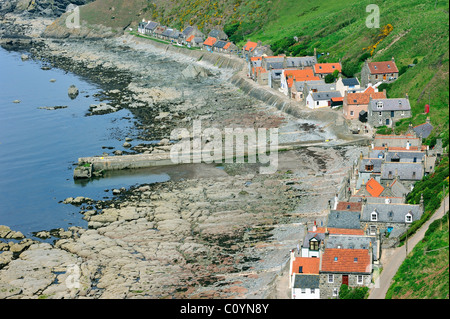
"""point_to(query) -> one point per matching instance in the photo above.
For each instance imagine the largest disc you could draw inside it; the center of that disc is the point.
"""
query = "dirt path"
(399, 254)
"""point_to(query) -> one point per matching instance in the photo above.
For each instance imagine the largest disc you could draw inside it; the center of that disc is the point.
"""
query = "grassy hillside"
(425, 274)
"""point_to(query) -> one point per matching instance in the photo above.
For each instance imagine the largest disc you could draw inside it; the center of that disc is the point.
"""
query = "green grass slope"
(425, 274)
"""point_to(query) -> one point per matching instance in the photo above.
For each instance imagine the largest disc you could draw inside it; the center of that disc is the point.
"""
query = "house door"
(384, 77)
(345, 280)
(387, 122)
(329, 103)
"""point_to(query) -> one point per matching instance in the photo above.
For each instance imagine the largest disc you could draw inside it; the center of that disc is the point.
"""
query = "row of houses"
(191, 36)
(372, 216)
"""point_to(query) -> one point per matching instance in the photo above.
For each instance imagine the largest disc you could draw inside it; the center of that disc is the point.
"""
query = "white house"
(316, 100)
(304, 277)
(350, 85)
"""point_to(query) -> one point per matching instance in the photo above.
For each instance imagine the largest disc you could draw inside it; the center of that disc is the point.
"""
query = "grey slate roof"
(274, 65)
(404, 156)
(151, 25)
(219, 44)
(404, 171)
(306, 281)
(352, 242)
(390, 105)
(300, 61)
(350, 81)
(376, 162)
(423, 130)
(309, 236)
(343, 219)
(167, 32)
(320, 87)
(175, 34)
(198, 39)
(188, 31)
(393, 213)
(218, 34)
(317, 96)
(301, 85)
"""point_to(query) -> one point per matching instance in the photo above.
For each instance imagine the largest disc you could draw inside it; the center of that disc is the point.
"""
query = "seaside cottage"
(320, 99)
(355, 103)
(298, 88)
(248, 48)
(351, 267)
(323, 69)
(150, 28)
(387, 111)
(288, 76)
(209, 43)
(389, 218)
(423, 130)
(375, 72)
(304, 277)
(347, 84)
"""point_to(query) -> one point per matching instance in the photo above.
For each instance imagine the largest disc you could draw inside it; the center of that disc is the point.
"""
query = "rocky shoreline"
(218, 233)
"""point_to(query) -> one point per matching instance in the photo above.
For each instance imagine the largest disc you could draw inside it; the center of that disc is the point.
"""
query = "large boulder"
(73, 92)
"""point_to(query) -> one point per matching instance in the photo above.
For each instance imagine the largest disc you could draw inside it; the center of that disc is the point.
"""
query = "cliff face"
(38, 8)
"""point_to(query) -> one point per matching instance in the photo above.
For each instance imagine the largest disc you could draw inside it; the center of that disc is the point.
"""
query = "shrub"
(353, 293)
(329, 78)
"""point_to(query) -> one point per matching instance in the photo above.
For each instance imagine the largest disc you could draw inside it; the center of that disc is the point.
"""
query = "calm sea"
(39, 147)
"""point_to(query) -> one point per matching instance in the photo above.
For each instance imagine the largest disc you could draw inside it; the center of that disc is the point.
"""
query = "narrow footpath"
(398, 255)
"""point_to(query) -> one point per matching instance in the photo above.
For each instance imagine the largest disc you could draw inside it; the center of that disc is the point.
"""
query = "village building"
(388, 111)
(316, 100)
(392, 219)
(323, 69)
(298, 89)
(150, 27)
(351, 267)
(304, 62)
(347, 84)
(423, 130)
(288, 76)
(159, 31)
(355, 105)
(248, 48)
(218, 34)
(209, 43)
(375, 72)
(304, 277)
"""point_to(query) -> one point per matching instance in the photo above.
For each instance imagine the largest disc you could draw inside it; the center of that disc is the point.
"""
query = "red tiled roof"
(383, 67)
(346, 260)
(226, 46)
(349, 206)
(299, 76)
(335, 99)
(325, 68)
(310, 265)
(364, 97)
(255, 58)
(374, 188)
(250, 46)
(190, 38)
(210, 41)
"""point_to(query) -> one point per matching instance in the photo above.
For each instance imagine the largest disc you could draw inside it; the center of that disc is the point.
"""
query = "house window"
(379, 105)
(369, 167)
(392, 114)
(303, 291)
(360, 279)
(335, 292)
(335, 259)
(355, 259)
(330, 279)
(379, 113)
(373, 230)
(374, 216)
(414, 174)
(351, 113)
(313, 291)
(314, 245)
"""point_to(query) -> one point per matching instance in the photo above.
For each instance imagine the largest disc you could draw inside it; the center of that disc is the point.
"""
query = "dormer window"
(375, 67)
(408, 218)
(374, 216)
(379, 104)
(314, 244)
